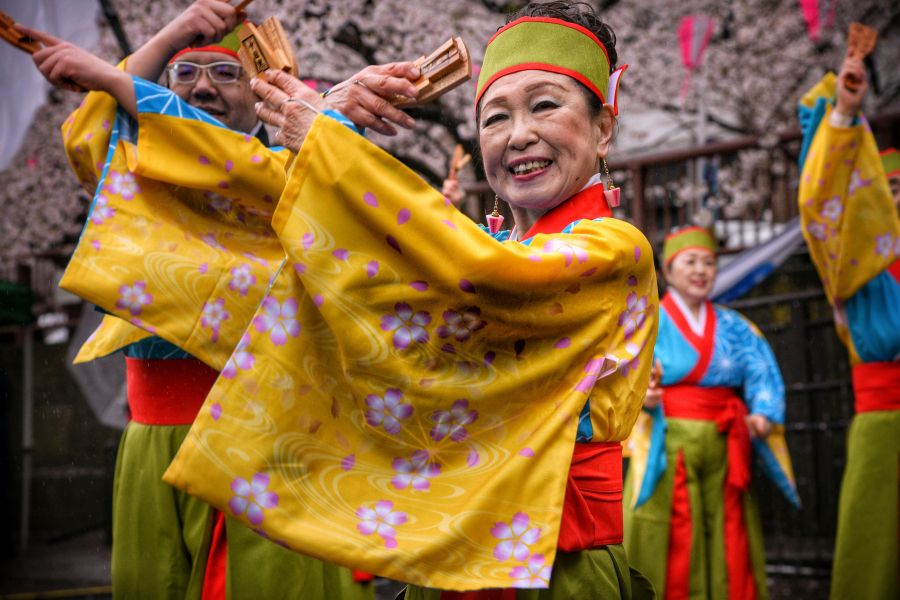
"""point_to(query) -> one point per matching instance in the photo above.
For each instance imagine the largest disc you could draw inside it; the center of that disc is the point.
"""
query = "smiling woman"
(517, 481)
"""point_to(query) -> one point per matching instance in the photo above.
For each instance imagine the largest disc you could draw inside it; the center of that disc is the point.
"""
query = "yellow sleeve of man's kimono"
(846, 209)
(85, 135)
(410, 389)
(181, 223)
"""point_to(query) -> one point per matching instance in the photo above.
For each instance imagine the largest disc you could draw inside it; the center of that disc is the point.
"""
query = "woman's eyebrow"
(540, 84)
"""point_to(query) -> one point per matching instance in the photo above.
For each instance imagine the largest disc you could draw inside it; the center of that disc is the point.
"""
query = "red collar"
(704, 344)
(589, 203)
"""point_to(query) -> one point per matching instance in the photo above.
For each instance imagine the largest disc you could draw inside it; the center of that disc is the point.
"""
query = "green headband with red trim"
(547, 44)
(686, 239)
(890, 159)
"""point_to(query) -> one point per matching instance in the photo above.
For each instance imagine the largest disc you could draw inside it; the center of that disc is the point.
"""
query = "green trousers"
(647, 528)
(866, 555)
(161, 537)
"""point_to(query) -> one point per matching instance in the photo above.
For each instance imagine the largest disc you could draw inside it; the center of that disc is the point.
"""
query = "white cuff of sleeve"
(839, 119)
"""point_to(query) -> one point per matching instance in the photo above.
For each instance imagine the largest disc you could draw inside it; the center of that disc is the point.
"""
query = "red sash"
(722, 405)
(702, 344)
(876, 386)
(894, 270)
(589, 203)
(592, 510)
(167, 392)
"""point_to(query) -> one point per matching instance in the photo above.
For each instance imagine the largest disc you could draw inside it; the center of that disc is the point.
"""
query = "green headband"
(546, 44)
(890, 159)
(687, 238)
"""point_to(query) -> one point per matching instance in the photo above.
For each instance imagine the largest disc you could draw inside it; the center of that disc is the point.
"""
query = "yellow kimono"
(852, 228)
(406, 396)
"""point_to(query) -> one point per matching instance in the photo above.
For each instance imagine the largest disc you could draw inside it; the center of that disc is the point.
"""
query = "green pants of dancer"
(161, 537)
(647, 528)
(866, 555)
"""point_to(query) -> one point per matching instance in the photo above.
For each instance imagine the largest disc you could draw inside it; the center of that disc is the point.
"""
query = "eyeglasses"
(184, 72)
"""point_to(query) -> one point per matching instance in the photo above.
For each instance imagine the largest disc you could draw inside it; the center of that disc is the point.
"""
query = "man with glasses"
(167, 544)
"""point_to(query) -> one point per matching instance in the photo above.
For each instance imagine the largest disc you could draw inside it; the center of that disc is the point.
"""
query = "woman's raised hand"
(365, 97)
(287, 104)
(849, 98)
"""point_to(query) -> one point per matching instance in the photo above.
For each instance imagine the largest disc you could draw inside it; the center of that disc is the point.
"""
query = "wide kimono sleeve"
(847, 213)
(763, 385)
(179, 223)
(407, 398)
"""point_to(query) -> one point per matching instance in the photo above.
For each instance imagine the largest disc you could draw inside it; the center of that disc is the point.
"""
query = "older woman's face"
(539, 142)
(692, 273)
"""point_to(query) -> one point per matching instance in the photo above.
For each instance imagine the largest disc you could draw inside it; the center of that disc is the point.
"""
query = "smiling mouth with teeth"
(529, 167)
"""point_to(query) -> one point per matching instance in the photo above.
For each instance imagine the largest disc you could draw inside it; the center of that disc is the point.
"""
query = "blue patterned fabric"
(873, 316)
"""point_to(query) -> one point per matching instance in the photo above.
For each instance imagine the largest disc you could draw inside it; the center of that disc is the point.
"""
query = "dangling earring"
(495, 219)
(611, 193)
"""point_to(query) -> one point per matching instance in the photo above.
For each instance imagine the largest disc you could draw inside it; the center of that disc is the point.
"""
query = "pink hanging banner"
(819, 15)
(694, 34)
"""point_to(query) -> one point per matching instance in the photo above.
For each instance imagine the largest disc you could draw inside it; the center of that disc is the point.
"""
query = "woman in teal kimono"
(848, 201)
(691, 525)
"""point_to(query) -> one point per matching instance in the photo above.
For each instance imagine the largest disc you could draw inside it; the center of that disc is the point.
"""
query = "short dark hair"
(580, 13)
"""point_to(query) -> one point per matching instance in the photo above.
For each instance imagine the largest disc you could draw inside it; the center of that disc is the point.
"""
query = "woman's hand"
(850, 100)
(365, 97)
(759, 426)
(654, 389)
(283, 97)
(452, 191)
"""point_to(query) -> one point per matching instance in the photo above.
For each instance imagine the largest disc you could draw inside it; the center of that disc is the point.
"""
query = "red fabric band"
(215, 578)
(362, 576)
(592, 512)
(876, 386)
(213, 48)
(678, 568)
(167, 392)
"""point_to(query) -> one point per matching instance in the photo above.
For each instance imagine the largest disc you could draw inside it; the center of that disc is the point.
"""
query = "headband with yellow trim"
(890, 159)
(686, 239)
(229, 45)
(554, 45)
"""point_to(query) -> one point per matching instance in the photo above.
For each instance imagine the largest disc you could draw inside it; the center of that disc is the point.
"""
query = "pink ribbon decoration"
(694, 34)
(612, 95)
(818, 14)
